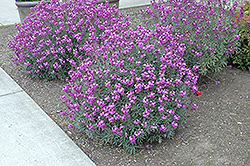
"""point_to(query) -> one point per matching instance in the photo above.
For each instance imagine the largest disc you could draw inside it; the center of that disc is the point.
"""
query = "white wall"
(132, 3)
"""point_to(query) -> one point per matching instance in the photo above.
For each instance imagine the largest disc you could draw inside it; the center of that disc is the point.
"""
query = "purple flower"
(163, 128)
(164, 117)
(64, 113)
(151, 95)
(107, 98)
(108, 83)
(62, 61)
(174, 124)
(241, 12)
(248, 23)
(148, 146)
(121, 91)
(161, 109)
(137, 134)
(27, 63)
(145, 100)
(145, 114)
(70, 126)
(57, 66)
(195, 67)
(101, 124)
(182, 94)
(115, 129)
(132, 139)
(170, 111)
(118, 86)
(136, 121)
(153, 127)
(138, 62)
(144, 124)
(172, 93)
(195, 106)
(176, 118)
(46, 64)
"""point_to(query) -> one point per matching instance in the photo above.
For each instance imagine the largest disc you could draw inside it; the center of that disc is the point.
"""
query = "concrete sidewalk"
(28, 137)
(8, 12)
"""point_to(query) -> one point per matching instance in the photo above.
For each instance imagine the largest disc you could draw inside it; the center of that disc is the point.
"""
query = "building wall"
(132, 3)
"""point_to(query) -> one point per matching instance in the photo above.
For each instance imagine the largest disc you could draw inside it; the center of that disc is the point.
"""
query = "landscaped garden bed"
(223, 113)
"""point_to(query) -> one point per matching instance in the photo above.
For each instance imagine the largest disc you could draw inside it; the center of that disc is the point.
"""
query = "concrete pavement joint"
(12, 93)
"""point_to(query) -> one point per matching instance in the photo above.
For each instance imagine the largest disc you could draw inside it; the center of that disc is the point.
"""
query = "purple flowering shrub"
(207, 28)
(132, 88)
(51, 39)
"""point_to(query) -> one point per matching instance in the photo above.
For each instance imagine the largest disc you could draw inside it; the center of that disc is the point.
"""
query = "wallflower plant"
(132, 88)
(52, 37)
(206, 27)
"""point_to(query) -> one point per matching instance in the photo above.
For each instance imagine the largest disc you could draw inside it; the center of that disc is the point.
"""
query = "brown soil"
(218, 133)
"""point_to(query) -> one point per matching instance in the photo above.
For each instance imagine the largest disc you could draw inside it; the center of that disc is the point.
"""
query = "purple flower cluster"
(132, 87)
(206, 27)
(52, 37)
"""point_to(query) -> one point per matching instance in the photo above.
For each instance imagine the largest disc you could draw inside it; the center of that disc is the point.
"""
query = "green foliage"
(241, 57)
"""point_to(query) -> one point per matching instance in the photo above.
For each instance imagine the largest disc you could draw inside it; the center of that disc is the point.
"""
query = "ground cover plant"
(241, 57)
(52, 37)
(206, 27)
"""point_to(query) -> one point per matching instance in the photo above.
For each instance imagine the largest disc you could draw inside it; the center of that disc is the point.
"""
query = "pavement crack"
(12, 93)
